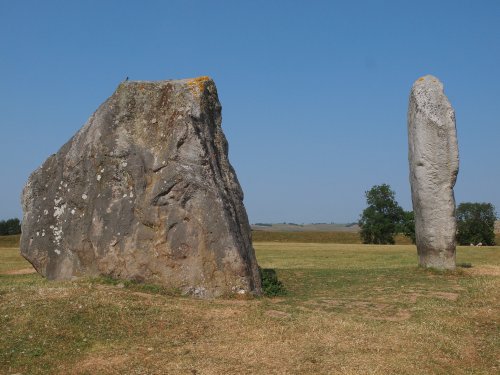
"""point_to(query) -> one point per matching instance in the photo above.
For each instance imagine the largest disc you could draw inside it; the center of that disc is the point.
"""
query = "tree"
(475, 223)
(11, 226)
(380, 221)
(407, 226)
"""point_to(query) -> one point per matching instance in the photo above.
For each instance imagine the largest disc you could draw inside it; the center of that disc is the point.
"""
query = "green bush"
(271, 286)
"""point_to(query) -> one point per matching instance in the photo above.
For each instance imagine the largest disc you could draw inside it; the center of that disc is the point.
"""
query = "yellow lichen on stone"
(197, 85)
(421, 78)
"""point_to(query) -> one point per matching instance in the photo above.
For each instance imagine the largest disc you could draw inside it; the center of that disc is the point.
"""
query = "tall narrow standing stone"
(144, 191)
(433, 157)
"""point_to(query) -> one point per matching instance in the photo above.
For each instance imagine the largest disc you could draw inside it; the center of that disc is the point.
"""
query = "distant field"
(10, 241)
(319, 227)
(323, 237)
(316, 237)
(305, 227)
(349, 309)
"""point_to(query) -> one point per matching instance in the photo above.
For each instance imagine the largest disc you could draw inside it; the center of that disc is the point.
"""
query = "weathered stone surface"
(433, 157)
(144, 191)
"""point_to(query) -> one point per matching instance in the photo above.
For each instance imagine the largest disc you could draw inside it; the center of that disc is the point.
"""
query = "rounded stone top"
(428, 80)
(428, 95)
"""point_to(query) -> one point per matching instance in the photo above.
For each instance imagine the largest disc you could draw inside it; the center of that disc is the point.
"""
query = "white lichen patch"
(45, 212)
(84, 196)
(57, 235)
(125, 195)
(58, 252)
(59, 210)
(98, 177)
(73, 211)
(124, 164)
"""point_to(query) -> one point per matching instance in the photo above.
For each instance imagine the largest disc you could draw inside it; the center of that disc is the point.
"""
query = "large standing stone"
(144, 191)
(433, 157)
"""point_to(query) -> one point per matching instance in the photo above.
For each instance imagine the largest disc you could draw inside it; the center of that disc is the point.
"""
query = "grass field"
(338, 237)
(306, 227)
(342, 237)
(349, 309)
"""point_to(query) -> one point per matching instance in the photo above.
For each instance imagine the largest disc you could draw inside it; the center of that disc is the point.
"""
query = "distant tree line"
(10, 226)
(383, 218)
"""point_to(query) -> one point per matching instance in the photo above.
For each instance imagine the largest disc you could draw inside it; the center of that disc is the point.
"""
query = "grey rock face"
(144, 191)
(433, 157)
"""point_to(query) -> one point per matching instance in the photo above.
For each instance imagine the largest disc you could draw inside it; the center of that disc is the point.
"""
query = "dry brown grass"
(350, 309)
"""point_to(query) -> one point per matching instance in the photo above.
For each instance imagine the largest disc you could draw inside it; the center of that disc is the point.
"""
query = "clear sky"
(314, 93)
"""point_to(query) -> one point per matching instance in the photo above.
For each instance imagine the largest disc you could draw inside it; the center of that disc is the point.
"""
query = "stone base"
(438, 259)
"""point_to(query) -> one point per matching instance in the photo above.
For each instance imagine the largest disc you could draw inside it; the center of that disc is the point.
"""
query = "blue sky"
(314, 93)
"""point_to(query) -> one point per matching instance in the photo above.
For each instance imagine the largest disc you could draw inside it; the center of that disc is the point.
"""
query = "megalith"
(144, 191)
(433, 158)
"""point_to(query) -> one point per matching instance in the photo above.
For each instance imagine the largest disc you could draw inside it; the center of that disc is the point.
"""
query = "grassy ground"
(350, 309)
(10, 241)
(323, 237)
(316, 237)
